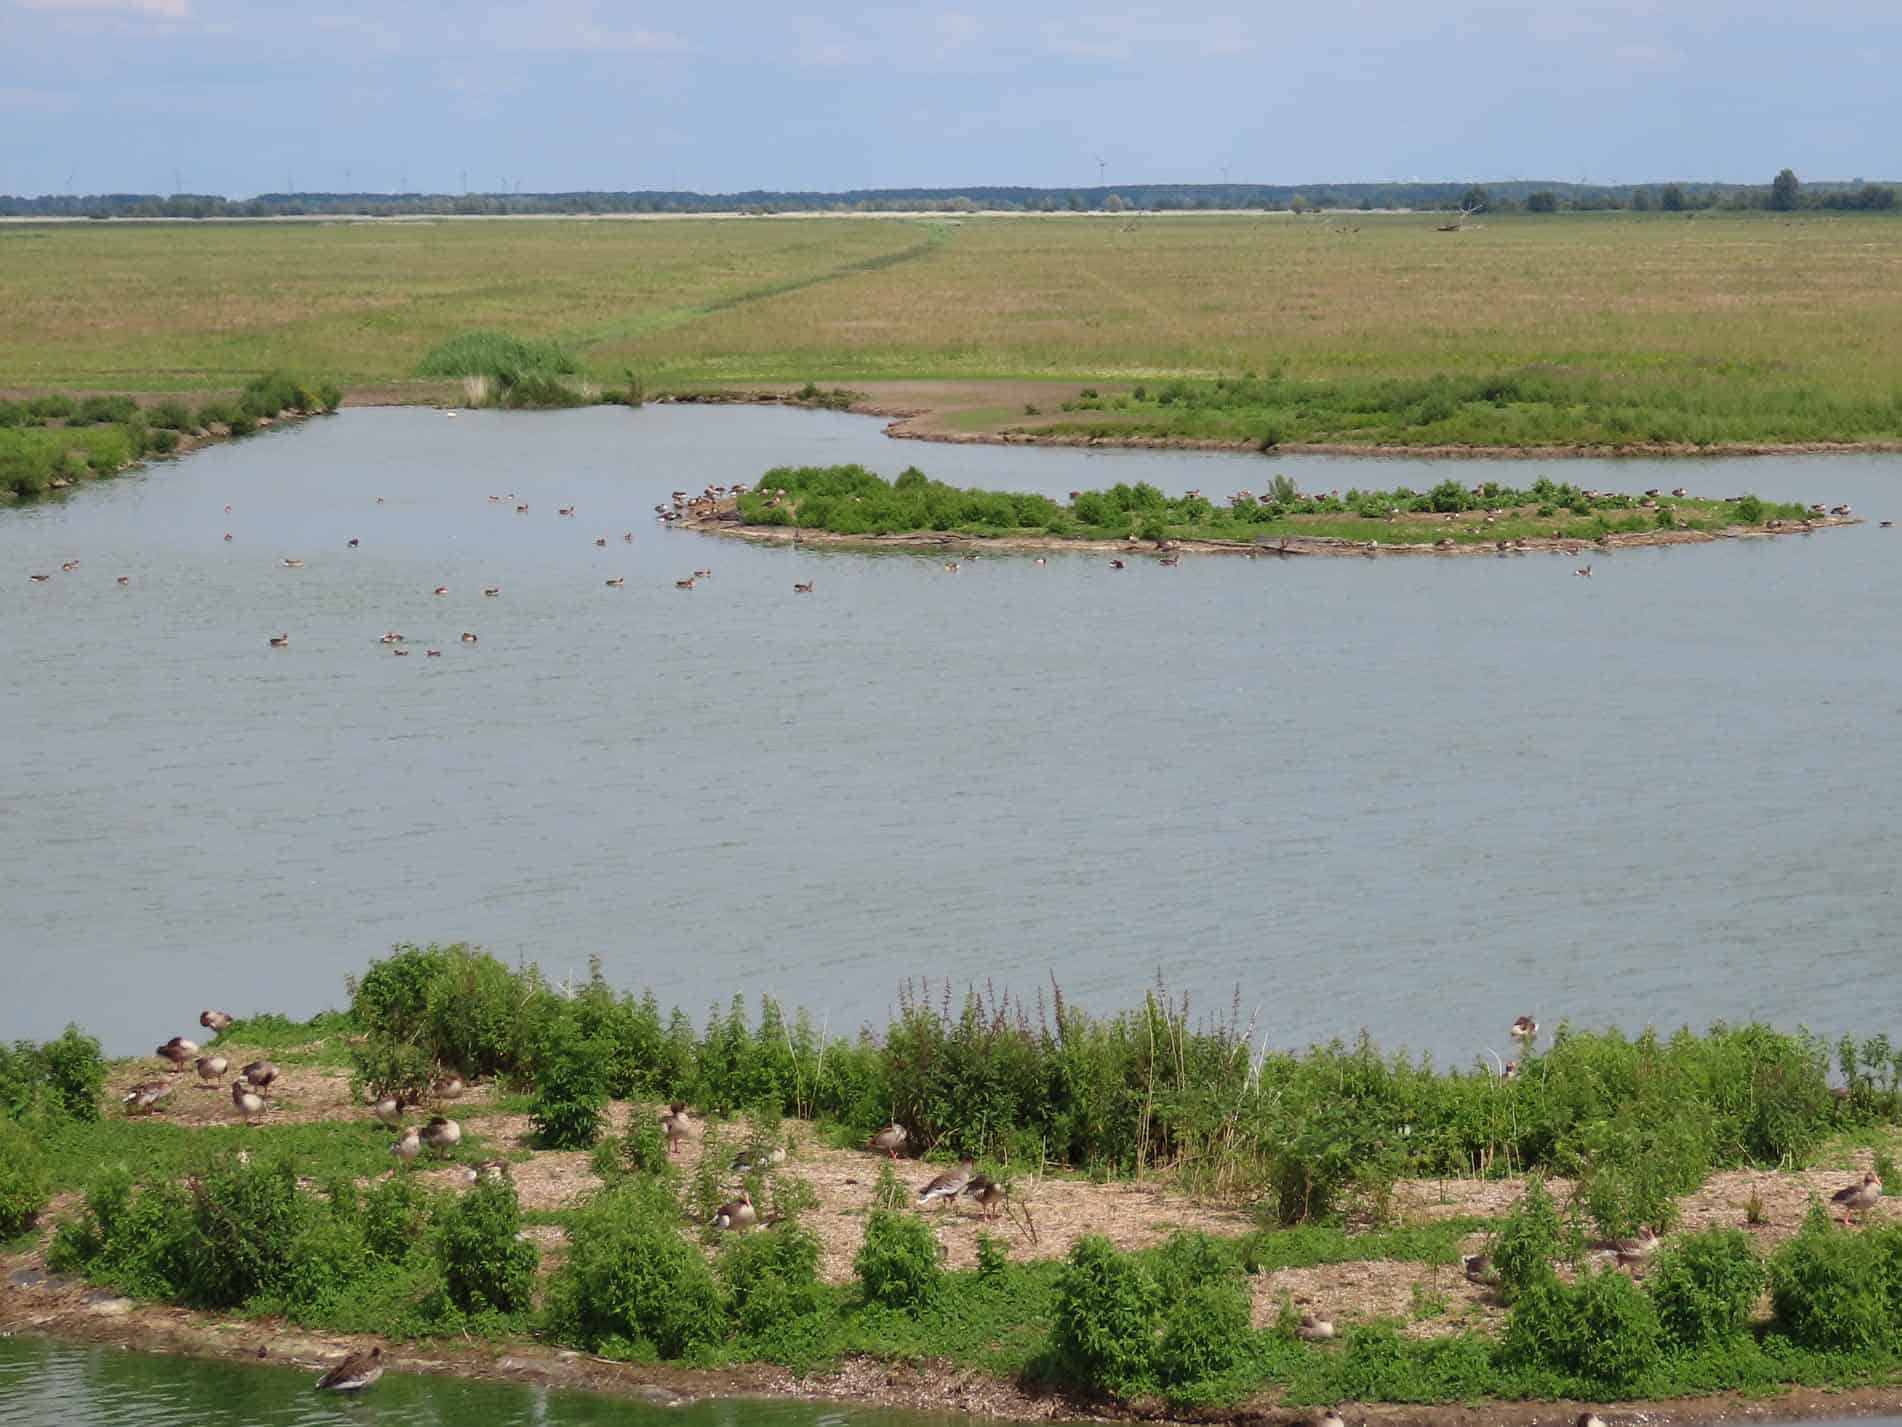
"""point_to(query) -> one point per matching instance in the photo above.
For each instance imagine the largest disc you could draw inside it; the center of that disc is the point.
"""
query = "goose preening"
(802, 589)
(1331, 1418)
(211, 1067)
(227, 536)
(951, 567)
(447, 1087)
(891, 1139)
(737, 1213)
(249, 1103)
(1859, 1196)
(616, 582)
(677, 1125)
(1589, 1419)
(358, 1370)
(260, 1073)
(1524, 1028)
(280, 641)
(468, 638)
(390, 1109)
(217, 1022)
(179, 1051)
(1479, 1268)
(489, 1169)
(441, 1133)
(988, 1193)
(143, 1098)
(1314, 1330)
(408, 1145)
(949, 1185)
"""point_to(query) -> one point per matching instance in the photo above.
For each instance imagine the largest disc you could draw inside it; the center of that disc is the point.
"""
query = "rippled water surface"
(1413, 795)
(52, 1385)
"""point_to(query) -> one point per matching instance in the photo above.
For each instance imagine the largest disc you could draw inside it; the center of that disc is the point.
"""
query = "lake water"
(1418, 796)
(43, 1384)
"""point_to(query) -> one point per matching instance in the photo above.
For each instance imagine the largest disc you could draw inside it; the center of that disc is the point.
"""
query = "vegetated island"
(850, 505)
(1153, 1215)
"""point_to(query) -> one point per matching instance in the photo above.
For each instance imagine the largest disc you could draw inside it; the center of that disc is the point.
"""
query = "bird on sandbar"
(949, 1185)
(249, 1103)
(441, 1133)
(1314, 1330)
(677, 1125)
(408, 1146)
(1859, 1196)
(260, 1074)
(179, 1051)
(988, 1193)
(143, 1098)
(211, 1067)
(217, 1022)
(891, 1139)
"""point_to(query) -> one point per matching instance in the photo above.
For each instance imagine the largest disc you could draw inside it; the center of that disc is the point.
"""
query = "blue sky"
(225, 97)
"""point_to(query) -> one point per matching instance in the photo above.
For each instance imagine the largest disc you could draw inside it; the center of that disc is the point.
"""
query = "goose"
(1041, 561)
(737, 1213)
(600, 542)
(703, 574)
(69, 566)
(42, 579)
(891, 1139)
(217, 1022)
(491, 591)
(1314, 1330)
(489, 1169)
(353, 543)
(125, 580)
(211, 1067)
(1885, 524)
(390, 636)
(249, 1103)
(1589, 1419)
(468, 638)
(441, 1133)
(142, 1098)
(227, 537)
(447, 1087)
(358, 1370)
(683, 584)
(389, 1109)
(988, 1193)
(280, 641)
(1509, 1071)
(1858, 1196)
(432, 653)
(802, 589)
(521, 509)
(677, 1125)
(1479, 1268)
(1524, 1029)
(617, 582)
(179, 1051)
(627, 537)
(1638, 1248)
(949, 1185)
(260, 1073)
(1331, 1418)
(746, 1161)
(408, 1146)
(293, 564)
(951, 567)
(400, 652)
(1585, 570)
(440, 590)
(564, 510)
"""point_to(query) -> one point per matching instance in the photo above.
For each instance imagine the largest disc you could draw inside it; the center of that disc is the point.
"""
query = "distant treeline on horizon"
(1516, 194)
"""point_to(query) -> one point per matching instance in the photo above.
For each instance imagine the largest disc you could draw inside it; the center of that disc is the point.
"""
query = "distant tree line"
(1785, 193)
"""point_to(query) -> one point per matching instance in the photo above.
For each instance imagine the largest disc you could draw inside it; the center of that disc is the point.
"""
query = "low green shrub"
(53, 407)
(1107, 1318)
(1830, 1288)
(103, 410)
(775, 1296)
(631, 1285)
(24, 1184)
(1600, 1329)
(570, 1092)
(897, 1265)
(486, 1267)
(1206, 1336)
(1530, 1241)
(396, 1212)
(218, 412)
(382, 1065)
(1706, 1286)
(171, 415)
(62, 1077)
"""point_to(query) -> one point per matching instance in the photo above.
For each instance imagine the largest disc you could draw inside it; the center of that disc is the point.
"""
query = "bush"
(1205, 1337)
(237, 1234)
(774, 1291)
(171, 415)
(24, 1184)
(1750, 510)
(496, 355)
(569, 1092)
(485, 1267)
(1108, 1314)
(395, 1216)
(161, 440)
(216, 413)
(1529, 1241)
(898, 1262)
(62, 1077)
(242, 423)
(382, 1065)
(1705, 1287)
(54, 407)
(1601, 1329)
(1828, 1287)
(631, 1283)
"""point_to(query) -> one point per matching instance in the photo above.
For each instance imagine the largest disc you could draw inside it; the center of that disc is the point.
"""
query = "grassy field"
(1614, 328)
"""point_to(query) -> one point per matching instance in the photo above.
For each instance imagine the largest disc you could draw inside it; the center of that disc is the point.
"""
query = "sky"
(222, 96)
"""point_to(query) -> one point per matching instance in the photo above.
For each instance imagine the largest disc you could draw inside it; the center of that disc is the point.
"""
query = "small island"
(849, 505)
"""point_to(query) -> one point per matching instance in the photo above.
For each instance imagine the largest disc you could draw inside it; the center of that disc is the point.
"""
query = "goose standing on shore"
(891, 1139)
(677, 1125)
(179, 1051)
(249, 1103)
(988, 1193)
(1859, 1196)
(211, 1067)
(949, 1185)
(261, 1075)
(357, 1371)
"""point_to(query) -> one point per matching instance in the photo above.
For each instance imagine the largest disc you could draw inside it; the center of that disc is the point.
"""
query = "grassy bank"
(50, 442)
(849, 500)
(1274, 1183)
(1569, 329)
